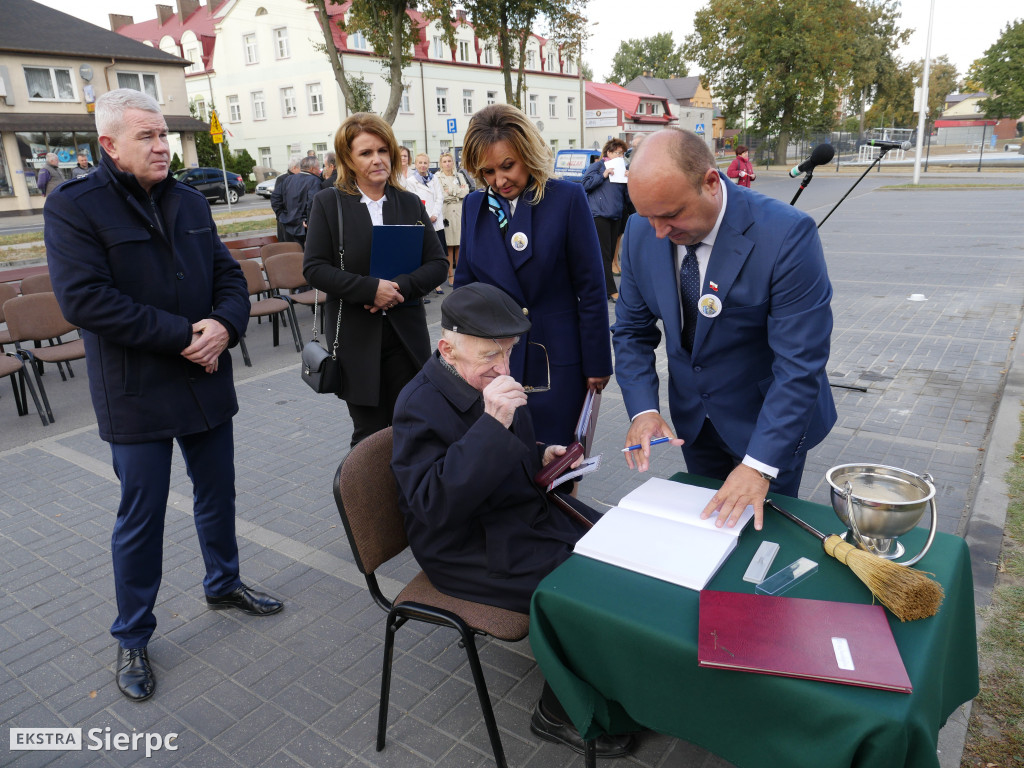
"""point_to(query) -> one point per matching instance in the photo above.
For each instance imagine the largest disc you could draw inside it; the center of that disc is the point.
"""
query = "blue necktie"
(689, 293)
(496, 207)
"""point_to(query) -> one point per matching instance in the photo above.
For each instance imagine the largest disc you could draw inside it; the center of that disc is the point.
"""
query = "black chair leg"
(385, 679)
(469, 642)
(26, 381)
(245, 352)
(30, 365)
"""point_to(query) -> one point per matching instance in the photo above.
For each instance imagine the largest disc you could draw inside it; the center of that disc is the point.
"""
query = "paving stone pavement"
(301, 688)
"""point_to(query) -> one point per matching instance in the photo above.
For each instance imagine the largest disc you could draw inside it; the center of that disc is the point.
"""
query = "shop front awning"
(41, 121)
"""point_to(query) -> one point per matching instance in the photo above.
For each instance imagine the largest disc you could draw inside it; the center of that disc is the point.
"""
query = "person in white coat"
(426, 184)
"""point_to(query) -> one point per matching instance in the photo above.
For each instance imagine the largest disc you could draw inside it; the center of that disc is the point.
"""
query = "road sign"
(216, 129)
(451, 125)
(699, 129)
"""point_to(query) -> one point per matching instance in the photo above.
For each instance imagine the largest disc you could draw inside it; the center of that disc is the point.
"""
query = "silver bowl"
(879, 503)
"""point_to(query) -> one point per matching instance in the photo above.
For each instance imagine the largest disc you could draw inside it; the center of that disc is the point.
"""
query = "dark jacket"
(478, 525)
(134, 272)
(361, 331)
(606, 198)
(559, 279)
(298, 197)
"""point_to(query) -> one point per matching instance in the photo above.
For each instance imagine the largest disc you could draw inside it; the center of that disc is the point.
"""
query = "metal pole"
(925, 76)
(583, 104)
(224, 170)
(981, 149)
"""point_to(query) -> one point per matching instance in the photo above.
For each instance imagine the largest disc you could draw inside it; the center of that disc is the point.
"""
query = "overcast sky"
(962, 30)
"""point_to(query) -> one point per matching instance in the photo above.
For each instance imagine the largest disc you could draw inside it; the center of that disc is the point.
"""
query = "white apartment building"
(258, 61)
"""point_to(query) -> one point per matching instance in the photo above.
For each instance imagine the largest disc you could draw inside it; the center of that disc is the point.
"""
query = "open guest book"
(656, 530)
(845, 643)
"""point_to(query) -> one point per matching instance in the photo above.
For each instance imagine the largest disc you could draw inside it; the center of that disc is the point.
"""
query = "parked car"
(266, 188)
(571, 164)
(210, 181)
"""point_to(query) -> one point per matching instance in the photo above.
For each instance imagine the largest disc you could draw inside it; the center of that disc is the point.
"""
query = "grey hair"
(294, 162)
(307, 163)
(452, 337)
(52, 155)
(111, 106)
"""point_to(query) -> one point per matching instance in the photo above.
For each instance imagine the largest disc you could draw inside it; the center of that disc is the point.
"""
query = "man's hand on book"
(646, 427)
(743, 486)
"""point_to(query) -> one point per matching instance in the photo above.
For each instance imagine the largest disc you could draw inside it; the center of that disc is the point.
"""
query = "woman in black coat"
(383, 340)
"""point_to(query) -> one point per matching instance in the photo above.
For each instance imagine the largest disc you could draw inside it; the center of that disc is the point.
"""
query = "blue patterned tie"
(495, 206)
(689, 293)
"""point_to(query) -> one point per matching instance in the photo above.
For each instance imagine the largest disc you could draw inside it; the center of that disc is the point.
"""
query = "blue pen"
(656, 441)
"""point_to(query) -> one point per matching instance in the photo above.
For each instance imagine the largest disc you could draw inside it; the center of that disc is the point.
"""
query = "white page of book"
(657, 546)
(680, 502)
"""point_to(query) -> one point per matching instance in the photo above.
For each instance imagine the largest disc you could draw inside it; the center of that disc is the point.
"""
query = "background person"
(748, 392)
(533, 236)
(741, 168)
(454, 190)
(384, 339)
(428, 186)
(82, 168)
(464, 459)
(159, 369)
(405, 166)
(607, 200)
(298, 199)
(277, 204)
(330, 170)
(50, 176)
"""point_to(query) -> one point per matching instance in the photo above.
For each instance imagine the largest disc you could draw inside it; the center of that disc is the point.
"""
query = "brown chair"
(37, 318)
(272, 249)
(7, 291)
(36, 284)
(13, 366)
(274, 307)
(367, 499)
(284, 273)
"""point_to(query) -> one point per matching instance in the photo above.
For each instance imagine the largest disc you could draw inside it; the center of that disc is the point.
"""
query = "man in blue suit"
(748, 393)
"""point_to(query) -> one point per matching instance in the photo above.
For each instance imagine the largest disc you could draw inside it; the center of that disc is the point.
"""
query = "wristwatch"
(765, 475)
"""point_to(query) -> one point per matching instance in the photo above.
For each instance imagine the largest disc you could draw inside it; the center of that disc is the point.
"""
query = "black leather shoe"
(564, 733)
(134, 676)
(247, 601)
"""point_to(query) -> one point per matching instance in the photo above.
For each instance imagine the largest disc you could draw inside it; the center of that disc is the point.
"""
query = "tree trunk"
(395, 68)
(337, 64)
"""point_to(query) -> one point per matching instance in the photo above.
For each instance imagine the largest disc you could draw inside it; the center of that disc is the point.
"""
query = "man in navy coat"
(136, 263)
(748, 392)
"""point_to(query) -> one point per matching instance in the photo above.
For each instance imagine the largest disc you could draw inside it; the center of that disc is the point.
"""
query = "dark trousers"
(397, 367)
(708, 455)
(607, 234)
(144, 470)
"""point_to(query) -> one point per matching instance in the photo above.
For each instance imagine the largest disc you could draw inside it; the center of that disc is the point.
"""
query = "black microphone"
(904, 145)
(821, 154)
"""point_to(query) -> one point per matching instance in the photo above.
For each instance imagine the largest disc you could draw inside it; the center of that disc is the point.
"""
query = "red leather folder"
(846, 643)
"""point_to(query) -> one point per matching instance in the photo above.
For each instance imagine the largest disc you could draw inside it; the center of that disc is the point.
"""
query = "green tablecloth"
(620, 651)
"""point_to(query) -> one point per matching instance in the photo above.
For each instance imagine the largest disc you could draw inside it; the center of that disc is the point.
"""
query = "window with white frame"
(357, 40)
(463, 50)
(320, 148)
(572, 143)
(492, 97)
(531, 59)
(467, 102)
(200, 103)
(489, 55)
(446, 145)
(439, 48)
(570, 106)
(288, 106)
(50, 84)
(315, 98)
(192, 54)
(655, 109)
(234, 110)
(442, 101)
(139, 81)
(259, 106)
(405, 105)
(552, 64)
(552, 106)
(281, 49)
(570, 66)
(554, 146)
(266, 157)
(251, 53)
(532, 110)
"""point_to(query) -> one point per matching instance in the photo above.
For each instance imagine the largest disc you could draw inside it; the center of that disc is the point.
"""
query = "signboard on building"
(600, 118)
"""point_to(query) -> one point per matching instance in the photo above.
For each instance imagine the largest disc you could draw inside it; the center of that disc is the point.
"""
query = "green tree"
(655, 56)
(1001, 71)
(972, 80)
(875, 63)
(362, 94)
(894, 104)
(206, 151)
(789, 59)
(241, 163)
(176, 164)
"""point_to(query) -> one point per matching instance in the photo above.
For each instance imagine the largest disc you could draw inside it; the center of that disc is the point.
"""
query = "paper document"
(618, 166)
(585, 468)
(656, 530)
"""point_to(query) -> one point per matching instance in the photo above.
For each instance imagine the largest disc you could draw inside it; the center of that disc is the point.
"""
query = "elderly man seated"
(465, 457)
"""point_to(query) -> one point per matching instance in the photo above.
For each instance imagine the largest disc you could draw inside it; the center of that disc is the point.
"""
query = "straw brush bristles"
(909, 594)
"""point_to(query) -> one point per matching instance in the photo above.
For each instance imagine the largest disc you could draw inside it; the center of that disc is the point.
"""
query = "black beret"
(479, 309)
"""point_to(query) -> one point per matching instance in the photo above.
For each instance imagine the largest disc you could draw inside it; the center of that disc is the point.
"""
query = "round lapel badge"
(709, 305)
(519, 241)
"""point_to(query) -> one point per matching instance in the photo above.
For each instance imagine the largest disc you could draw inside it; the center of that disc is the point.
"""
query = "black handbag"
(321, 370)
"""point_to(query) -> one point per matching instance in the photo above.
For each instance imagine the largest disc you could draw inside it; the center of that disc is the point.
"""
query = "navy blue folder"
(397, 250)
